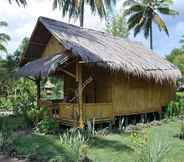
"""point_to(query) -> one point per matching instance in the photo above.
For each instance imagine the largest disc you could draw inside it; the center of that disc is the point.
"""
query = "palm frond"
(19, 2)
(167, 11)
(4, 37)
(146, 27)
(133, 9)
(160, 23)
(134, 20)
(3, 48)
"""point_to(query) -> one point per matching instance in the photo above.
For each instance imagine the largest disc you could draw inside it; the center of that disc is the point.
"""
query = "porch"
(68, 113)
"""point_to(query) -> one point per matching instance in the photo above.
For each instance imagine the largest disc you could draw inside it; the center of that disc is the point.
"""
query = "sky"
(21, 22)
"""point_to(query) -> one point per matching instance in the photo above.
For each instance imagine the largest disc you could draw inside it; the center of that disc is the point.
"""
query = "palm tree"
(19, 2)
(142, 13)
(4, 38)
(75, 8)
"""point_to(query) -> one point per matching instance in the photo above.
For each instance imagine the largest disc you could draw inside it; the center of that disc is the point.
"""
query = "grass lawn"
(110, 148)
(119, 148)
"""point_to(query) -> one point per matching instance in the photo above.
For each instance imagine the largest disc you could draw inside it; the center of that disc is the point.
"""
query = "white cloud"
(22, 20)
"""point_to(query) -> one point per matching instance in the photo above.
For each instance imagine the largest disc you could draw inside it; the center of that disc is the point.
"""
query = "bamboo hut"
(110, 76)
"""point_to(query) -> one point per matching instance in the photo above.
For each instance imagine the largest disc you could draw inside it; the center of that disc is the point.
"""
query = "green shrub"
(47, 125)
(175, 107)
(7, 138)
(6, 103)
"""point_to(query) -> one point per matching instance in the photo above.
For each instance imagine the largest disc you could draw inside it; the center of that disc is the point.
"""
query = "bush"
(7, 138)
(47, 125)
(175, 107)
(6, 104)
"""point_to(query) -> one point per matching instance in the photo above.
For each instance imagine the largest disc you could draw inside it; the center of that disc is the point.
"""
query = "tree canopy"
(75, 8)
(143, 13)
(117, 26)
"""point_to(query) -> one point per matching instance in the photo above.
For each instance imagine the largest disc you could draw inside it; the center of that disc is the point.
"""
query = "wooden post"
(80, 94)
(38, 90)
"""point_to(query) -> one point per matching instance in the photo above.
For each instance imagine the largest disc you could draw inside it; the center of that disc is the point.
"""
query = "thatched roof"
(44, 66)
(102, 48)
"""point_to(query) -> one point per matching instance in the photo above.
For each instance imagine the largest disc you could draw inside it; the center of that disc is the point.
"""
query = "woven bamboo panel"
(53, 47)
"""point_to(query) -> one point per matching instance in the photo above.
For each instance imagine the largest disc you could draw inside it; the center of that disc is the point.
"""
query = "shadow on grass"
(48, 147)
(98, 142)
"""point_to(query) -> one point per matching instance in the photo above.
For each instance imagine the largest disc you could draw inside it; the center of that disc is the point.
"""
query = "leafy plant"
(149, 150)
(75, 143)
(175, 107)
(47, 125)
(181, 135)
(7, 138)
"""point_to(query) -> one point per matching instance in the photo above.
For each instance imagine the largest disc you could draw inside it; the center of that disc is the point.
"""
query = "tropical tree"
(19, 2)
(75, 8)
(4, 38)
(177, 57)
(143, 13)
(117, 26)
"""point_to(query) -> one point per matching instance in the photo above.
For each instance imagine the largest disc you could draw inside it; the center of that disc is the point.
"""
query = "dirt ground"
(7, 159)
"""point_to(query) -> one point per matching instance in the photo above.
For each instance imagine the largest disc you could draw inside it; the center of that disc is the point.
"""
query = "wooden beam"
(80, 92)
(67, 72)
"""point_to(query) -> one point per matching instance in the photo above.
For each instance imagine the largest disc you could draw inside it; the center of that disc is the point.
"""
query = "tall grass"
(75, 143)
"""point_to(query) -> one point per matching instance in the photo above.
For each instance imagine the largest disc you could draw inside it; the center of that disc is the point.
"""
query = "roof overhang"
(43, 67)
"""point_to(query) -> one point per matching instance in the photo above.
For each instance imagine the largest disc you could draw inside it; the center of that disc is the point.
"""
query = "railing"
(69, 112)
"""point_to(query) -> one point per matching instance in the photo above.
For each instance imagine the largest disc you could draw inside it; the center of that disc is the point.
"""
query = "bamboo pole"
(80, 98)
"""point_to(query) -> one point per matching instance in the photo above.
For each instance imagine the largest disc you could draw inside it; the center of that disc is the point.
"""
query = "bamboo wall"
(100, 89)
(131, 95)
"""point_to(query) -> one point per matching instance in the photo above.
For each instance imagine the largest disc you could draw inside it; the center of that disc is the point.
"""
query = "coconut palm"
(19, 2)
(143, 13)
(4, 38)
(75, 8)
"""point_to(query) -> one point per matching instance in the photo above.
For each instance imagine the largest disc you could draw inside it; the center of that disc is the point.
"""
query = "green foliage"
(75, 143)
(74, 9)
(177, 58)
(175, 107)
(4, 38)
(141, 15)
(7, 136)
(8, 66)
(181, 134)
(6, 103)
(117, 25)
(47, 125)
(149, 149)
(25, 96)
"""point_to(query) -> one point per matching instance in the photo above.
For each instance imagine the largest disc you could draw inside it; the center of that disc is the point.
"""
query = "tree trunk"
(151, 37)
(82, 13)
